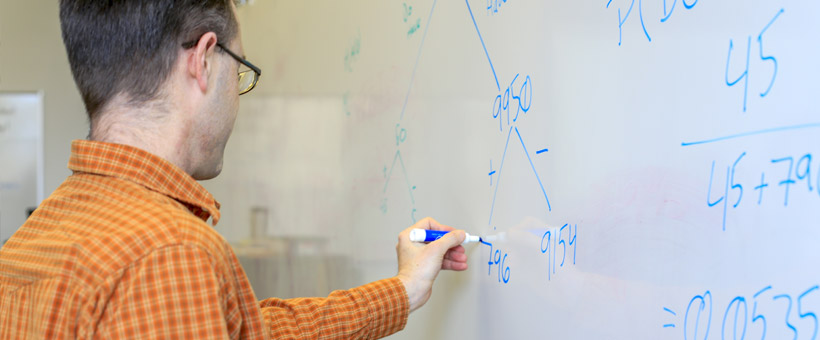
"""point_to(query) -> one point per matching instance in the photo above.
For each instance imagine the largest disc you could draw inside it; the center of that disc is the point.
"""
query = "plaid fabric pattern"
(122, 250)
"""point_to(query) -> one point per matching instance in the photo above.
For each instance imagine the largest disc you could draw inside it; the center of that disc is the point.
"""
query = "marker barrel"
(426, 235)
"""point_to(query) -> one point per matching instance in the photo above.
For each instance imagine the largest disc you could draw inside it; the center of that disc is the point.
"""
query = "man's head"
(135, 76)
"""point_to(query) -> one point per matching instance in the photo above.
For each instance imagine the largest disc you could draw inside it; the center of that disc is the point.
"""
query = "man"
(122, 248)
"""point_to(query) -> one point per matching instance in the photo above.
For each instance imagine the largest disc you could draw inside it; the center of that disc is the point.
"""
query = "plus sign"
(760, 187)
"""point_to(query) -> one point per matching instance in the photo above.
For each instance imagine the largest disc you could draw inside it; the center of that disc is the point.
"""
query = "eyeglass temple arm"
(253, 67)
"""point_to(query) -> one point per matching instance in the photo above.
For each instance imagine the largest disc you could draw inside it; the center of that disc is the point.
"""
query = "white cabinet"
(21, 158)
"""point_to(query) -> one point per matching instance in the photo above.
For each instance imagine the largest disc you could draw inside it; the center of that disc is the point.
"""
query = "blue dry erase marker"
(425, 235)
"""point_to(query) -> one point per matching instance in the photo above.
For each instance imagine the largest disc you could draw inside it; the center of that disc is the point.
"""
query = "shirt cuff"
(389, 306)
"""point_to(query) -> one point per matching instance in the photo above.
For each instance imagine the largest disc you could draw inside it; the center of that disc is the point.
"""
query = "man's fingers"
(442, 227)
(406, 233)
(431, 224)
(455, 256)
(457, 249)
(453, 265)
(450, 240)
(428, 223)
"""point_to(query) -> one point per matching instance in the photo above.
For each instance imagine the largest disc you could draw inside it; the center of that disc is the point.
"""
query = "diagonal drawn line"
(533, 169)
(498, 181)
(404, 171)
(753, 133)
(670, 311)
(497, 84)
(407, 180)
(418, 57)
(393, 166)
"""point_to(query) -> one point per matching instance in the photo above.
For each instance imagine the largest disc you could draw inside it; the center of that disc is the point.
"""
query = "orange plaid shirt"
(122, 250)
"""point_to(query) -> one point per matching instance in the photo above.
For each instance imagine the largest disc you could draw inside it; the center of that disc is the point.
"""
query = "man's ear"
(199, 61)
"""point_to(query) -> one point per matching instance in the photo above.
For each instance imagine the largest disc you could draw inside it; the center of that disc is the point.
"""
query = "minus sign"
(668, 325)
(492, 173)
(541, 151)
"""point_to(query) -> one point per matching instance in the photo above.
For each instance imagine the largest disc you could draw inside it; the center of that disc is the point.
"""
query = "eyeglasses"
(248, 78)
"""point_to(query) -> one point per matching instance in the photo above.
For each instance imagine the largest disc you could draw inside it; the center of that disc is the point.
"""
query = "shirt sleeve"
(173, 293)
(371, 311)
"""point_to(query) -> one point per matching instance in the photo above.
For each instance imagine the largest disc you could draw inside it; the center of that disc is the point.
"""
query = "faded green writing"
(353, 52)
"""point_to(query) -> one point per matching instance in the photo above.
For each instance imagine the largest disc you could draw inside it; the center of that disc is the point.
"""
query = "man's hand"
(420, 263)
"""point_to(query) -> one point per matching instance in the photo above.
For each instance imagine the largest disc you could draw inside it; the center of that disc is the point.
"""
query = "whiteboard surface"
(634, 183)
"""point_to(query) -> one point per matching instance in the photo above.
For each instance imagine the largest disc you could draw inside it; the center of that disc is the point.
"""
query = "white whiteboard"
(370, 114)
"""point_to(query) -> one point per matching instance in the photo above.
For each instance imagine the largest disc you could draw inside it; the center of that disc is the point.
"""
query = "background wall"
(32, 58)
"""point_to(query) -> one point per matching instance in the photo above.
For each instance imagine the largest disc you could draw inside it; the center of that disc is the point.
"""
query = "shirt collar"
(141, 167)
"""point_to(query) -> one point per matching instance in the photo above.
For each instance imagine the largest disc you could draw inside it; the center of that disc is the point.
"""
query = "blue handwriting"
(563, 237)
(494, 5)
(788, 171)
(764, 57)
(738, 319)
(521, 98)
(498, 259)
